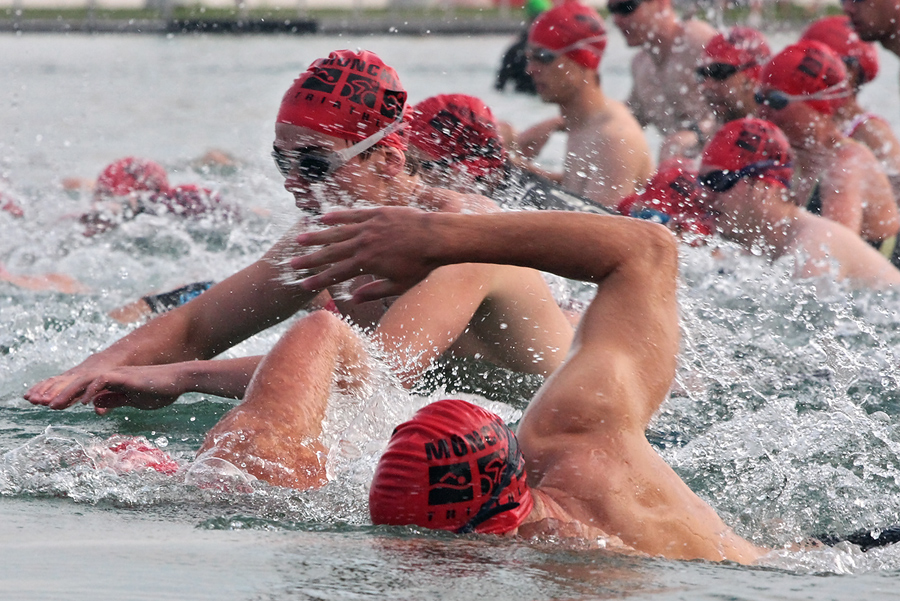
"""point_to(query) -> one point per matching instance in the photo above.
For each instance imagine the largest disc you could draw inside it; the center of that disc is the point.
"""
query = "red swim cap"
(566, 25)
(349, 95)
(190, 200)
(743, 142)
(129, 175)
(459, 129)
(805, 68)
(838, 34)
(743, 47)
(453, 466)
(673, 191)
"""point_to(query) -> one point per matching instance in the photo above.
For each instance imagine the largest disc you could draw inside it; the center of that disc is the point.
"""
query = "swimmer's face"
(733, 211)
(797, 120)
(637, 25)
(353, 177)
(559, 80)
(731, 98)
(438, 174)
(873, 20)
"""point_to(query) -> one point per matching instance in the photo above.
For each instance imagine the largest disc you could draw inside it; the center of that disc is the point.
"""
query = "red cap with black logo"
(808, 67)
(459, 129)
(749, 141)
(672, 191)
(837, 33)
(453, 466)
(565, 26)
(349, 95)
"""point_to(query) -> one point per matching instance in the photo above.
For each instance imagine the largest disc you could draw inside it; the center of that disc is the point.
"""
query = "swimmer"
(876, 21)
(579, 464)
(664, 93)
(746, 172)
(800, 90)
(455, 142)
(861, 60)
(331, 150)
(729, 75)
(607, 156)
(131, 186)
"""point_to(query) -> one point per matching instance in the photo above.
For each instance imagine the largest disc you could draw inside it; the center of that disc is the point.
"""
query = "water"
(783, 416)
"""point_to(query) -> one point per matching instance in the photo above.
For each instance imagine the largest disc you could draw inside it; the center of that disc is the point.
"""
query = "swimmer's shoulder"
(550, 521)
(698, 33)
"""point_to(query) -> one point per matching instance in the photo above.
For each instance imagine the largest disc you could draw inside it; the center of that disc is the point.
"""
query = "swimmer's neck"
(583, 107)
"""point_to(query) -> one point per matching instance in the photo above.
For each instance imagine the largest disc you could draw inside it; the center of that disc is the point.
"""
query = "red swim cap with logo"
(805, 68)
(838, 34)
(566, 25)
(459, 129)
(130, 174)
(744, 142)
(742, 46)
(349, 95)
(453, 466)
(673, 191)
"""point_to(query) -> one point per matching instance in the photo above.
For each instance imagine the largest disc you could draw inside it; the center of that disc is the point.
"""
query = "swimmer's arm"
(531, 141)
(426, 320)
(842, 198)
(221, 317)
(156, 386)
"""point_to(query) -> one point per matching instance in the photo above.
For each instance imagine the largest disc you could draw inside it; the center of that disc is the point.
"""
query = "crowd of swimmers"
(769, 150)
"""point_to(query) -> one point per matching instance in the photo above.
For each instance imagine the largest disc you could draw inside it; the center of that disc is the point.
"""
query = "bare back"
(607, 158)
(823, 247)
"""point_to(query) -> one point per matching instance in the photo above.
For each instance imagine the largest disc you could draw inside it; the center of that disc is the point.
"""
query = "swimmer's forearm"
(223, 377)
(573, 245)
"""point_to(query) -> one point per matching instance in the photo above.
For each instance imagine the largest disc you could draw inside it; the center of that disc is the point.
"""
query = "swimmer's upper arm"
(426, 320)
(623, 357)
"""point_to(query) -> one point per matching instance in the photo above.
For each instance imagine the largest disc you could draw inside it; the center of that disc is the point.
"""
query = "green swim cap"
(535, 7)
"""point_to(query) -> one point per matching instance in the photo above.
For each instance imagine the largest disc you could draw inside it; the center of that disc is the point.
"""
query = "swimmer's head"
(130, 175)
(742, 49)
(349, 95)
(572, 29)
(807, 71)
(454, 466)
(751, 148)
(861, 58)
(458, 131)
(190, 200)
(672, 192)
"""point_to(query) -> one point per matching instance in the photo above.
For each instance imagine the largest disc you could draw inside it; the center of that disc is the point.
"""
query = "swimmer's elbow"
(658, 248)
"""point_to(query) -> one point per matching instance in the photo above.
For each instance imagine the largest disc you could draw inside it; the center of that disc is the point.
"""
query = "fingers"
(333, 253)
(335, 274)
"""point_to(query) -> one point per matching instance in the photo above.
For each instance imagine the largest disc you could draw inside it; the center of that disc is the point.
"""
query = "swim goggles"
(545, 56)
(720, 71)
(777, 99)
(624, 8)
(316, 165)
(725, 179)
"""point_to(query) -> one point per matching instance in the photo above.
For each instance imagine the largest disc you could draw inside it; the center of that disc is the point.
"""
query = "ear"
(394, 161)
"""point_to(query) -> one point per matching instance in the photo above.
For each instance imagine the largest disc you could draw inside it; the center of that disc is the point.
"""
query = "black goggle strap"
(490, 508)
(834, 92)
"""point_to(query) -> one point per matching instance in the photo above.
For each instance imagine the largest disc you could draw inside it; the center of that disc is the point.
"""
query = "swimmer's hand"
(143, 387)
(389, 242)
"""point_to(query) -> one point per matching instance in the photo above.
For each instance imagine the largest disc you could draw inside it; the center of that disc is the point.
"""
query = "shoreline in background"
(188, 20)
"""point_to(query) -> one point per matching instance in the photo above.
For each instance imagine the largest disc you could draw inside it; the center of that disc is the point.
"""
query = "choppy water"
(784, 414)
